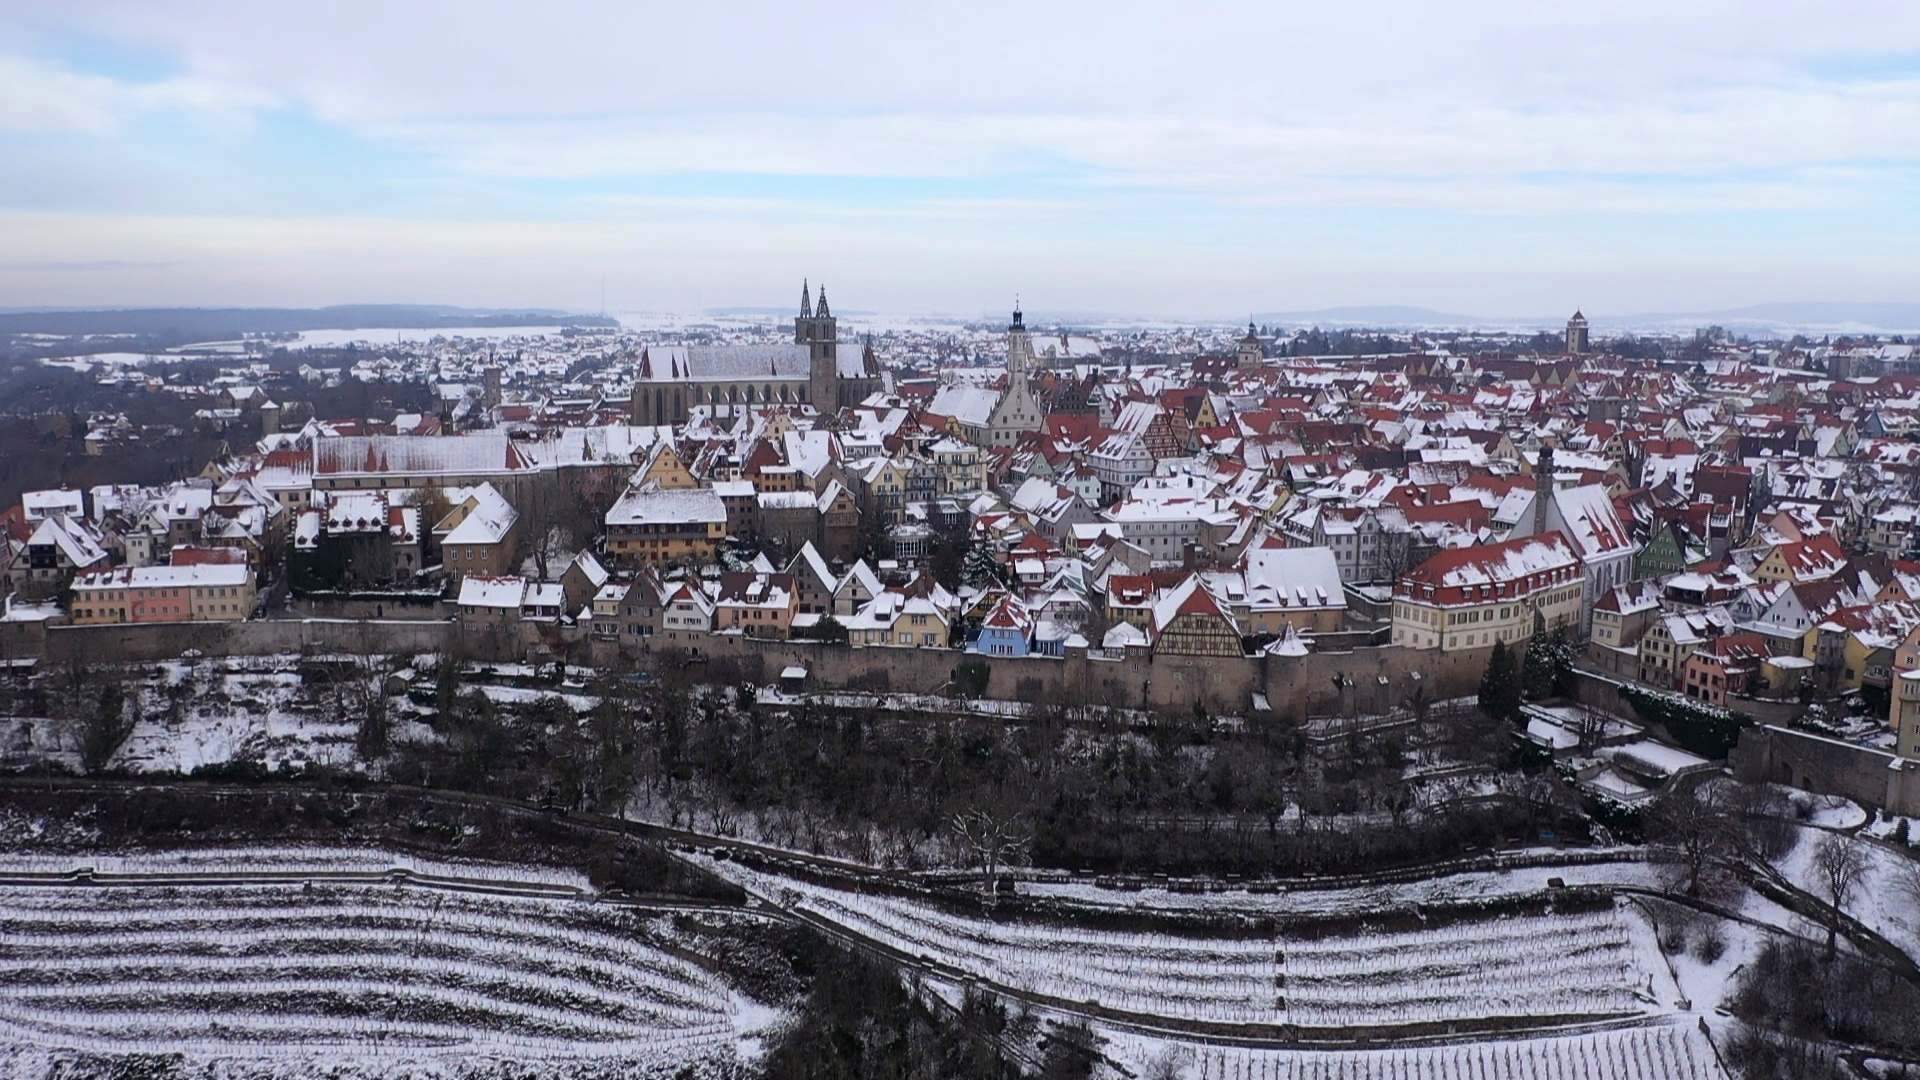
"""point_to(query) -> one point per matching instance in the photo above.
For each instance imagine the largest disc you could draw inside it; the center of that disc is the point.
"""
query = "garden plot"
(1544, 968)
(212, 712)
(1640, 1053)
(356, 972)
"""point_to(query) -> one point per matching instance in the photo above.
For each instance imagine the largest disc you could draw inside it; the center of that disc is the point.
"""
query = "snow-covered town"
(992, 541)
(1599, 662)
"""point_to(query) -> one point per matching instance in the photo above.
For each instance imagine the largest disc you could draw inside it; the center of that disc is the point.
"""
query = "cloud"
(87, 266)
(40, 97)
(1396, 144)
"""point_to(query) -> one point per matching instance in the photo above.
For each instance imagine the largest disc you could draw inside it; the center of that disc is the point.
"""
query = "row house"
(492, 603)
(1620, 618)
(914, 618)
(201, 592)
(1673, 637)
(1190, 621)
(1724, 667)
(1274, 589)
(756, 604)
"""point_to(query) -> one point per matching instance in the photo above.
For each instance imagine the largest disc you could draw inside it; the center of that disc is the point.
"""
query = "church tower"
(819, 331)
(1017, 411)
(1252, 351)
(1577, 334)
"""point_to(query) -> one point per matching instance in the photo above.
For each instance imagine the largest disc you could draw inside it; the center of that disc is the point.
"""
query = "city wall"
(1814, 763)
(159, 641)
(1362, 680)
(1370, 679)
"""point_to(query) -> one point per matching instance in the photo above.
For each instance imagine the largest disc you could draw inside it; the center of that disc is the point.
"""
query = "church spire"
(824, 313)
(806, 301)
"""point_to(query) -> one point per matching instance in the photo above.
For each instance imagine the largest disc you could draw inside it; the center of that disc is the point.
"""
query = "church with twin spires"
(817, 369)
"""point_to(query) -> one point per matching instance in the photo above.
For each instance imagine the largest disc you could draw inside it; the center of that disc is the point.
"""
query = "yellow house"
(647, 525)
(664, 470)
(1812, 559)
(1863, 645)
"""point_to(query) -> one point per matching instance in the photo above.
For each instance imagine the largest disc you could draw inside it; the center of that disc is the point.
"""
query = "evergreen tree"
(1544, 671)
(980, 568)
(1500, 685)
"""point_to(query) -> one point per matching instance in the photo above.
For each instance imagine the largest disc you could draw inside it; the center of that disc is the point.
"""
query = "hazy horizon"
(1210, 163)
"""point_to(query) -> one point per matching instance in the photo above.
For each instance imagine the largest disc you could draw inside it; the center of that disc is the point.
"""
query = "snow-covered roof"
(1495, 563)
(492, 592)
(44, 504)
(446, 455)
(972, 405)
(652, 507)
(1294, 577)
(487, 522)
(73, 537)
(168, 577)
(1587, 514)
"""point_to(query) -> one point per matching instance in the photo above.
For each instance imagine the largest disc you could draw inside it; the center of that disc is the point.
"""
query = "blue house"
(1006, 631)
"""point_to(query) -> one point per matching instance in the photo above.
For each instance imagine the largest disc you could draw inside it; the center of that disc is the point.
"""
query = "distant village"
(1730, 526)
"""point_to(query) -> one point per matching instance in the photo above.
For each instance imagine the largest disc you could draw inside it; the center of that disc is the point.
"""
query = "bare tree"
(1766, 833)
(993, 839)
(1694, 840)
(1838, 866)
(1591, 727)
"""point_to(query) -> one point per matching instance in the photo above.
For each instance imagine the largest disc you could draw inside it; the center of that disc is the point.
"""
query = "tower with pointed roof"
(819, 331)
(1018, 411)
(1576, 334)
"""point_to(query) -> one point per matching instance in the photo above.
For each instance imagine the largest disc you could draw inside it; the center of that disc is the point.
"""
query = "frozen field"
(371, 975)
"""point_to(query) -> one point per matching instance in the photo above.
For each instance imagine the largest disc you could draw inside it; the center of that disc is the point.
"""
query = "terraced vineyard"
(357, 971)
(1500, 971)
(1644, 1053)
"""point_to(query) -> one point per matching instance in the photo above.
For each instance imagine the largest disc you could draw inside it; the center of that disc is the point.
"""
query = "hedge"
(1699, 728)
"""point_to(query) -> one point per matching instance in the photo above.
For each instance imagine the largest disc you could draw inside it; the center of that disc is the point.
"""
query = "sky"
(1203, 160)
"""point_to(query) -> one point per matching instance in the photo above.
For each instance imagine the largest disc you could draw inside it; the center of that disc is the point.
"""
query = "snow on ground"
(1450, 888)
(1834, 812)
(1886, 826)
(1662, 1052)
(1888, 896)
(516, 695)
(290, 860)
(371, 979)
(234, 715)
(376, 336)
(1543, 966)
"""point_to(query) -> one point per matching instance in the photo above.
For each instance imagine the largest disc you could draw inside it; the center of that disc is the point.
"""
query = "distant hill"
(1888, 317)
(213, 324)
(1385, 316)
(1782, 318)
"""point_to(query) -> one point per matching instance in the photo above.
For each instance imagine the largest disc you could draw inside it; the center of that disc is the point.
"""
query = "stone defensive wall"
(1330, 683)
(1828, 766)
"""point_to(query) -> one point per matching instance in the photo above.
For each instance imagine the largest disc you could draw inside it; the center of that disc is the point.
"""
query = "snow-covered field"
(1667, 1052)
(335, 339)
(373, 976)
(1541, 968)
(292, 860)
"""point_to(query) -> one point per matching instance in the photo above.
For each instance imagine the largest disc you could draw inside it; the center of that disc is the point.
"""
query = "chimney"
(1542, 487)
